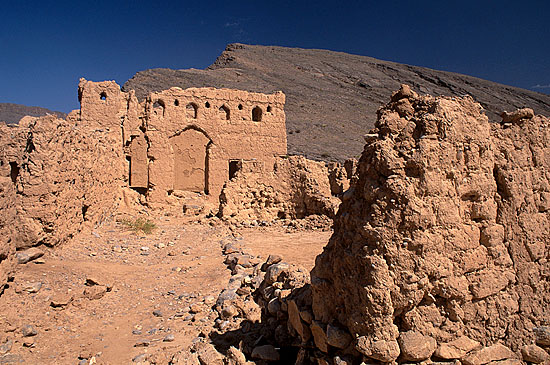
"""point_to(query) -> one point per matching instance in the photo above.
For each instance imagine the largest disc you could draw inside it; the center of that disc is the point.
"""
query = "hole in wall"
(207, 105)
(103, 96)
(233, 168)
(14, 171)
(159, 104)
(257, 114)
(269, 108)
(225, 113)
(84, 211)
(191, 110)
(176, 102)
(240, 107)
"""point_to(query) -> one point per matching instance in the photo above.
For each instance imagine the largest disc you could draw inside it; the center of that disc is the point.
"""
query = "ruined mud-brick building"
(187, 140)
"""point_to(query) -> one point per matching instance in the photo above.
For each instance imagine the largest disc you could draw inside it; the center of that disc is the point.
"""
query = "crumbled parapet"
(517, 115)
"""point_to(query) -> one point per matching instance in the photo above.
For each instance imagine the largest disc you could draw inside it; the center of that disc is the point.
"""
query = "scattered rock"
(235, 357)
(6, 347)
(140, 358)
(208, 354)
(265, 352)
(517, 115)
(142, 343)
(33, 287)
(274, 272)
(28, 330)
(415, 346)
(273, 259)
(274, 306)
(157, 313)
(229, 311)
(61, 300)
(296, 323)
(11, 359)
(28, 255)
(169, 338)
(94, 292)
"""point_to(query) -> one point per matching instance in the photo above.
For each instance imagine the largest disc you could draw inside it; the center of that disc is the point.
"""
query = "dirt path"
(147, 287)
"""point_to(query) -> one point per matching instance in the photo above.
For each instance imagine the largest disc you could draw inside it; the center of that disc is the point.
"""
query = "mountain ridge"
(332, 97)
(11, 113)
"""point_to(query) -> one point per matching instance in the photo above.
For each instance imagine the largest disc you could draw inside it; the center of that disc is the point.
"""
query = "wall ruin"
(185, 140)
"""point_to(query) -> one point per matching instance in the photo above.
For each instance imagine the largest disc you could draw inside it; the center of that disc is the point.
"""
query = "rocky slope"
(12, 113)
(332, 97)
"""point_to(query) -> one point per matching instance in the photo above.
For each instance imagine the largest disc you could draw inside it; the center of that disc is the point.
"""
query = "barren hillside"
(11, 113)
(332, 97)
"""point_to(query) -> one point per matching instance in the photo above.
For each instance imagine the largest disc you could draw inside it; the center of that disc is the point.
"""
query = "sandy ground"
(165, 272)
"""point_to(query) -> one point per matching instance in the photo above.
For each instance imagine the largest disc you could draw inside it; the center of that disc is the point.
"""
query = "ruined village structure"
(440, 247)
(187, 140)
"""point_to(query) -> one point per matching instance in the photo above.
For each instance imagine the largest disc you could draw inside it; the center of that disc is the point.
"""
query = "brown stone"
(61, 300)
(382, 350)
(534, 354)
(457, 348)
(208, 354)
(486, 355)
(235, 357)
(337, 337)
(28, 255)
(319, 335)
(295, 322)
(415, 346)
(542, 335)
(95, 292)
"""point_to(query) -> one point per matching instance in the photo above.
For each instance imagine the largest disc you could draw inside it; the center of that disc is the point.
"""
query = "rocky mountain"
(12, 113)
(332, 97)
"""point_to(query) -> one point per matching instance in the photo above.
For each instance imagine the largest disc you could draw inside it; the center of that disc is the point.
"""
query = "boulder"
(486, 355)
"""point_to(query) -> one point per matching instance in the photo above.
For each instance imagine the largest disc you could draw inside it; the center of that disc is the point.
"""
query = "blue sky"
(46, 46)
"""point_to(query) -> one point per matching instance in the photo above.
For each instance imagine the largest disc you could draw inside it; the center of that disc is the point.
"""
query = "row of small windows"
(192, 110)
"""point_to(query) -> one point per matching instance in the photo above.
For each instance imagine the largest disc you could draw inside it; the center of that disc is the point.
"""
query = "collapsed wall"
(444, 232)
(56, 177)
(294, 189)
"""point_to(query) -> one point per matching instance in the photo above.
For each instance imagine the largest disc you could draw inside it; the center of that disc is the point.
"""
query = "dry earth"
(178, 265)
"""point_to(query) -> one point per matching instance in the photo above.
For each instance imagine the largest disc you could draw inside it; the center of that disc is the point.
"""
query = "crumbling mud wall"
(443, 234)
(295, 188)
(57, 177)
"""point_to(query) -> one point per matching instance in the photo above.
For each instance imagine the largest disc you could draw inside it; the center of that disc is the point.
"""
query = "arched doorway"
(191, 160)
